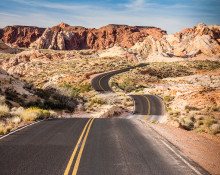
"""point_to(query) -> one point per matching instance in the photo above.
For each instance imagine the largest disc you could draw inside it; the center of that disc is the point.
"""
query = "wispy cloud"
(9, 14)
(51, 5)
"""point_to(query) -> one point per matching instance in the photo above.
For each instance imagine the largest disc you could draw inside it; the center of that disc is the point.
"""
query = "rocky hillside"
(20, 36)
(6, 49)
(65, 37)
(189, 42)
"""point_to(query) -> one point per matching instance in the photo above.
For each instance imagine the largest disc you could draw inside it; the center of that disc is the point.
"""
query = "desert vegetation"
(12, 118)
(188, 89)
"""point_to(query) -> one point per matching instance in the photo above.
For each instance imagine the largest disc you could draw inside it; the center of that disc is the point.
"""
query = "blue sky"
(170, 15)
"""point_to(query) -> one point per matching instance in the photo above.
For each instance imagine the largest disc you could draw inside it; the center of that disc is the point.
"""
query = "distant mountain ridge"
(65, 37)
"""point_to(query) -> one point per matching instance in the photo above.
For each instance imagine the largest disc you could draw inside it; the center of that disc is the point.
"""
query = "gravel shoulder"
(203, 148)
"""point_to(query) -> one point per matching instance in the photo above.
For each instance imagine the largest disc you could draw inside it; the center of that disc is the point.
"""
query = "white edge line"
(20, 129)
(187, 163)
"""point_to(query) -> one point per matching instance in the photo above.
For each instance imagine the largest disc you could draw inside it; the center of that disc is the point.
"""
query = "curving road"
(147, 107)
(100, 82)
(88, 146)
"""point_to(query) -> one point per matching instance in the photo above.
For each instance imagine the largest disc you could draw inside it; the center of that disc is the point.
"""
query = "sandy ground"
(203, 148)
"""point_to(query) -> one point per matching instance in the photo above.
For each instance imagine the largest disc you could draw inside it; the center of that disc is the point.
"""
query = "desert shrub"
(204, 65)
(15, 119)
(68, 90)
(97, 101)
(192, 118)
(45, 94)
(17, 111)
(4, 111)
(214, 129)
(127, 85)
(46, 114)
(216, 108)
(198, 124)
(165, 70)
(200, 118)
(65, 102)
(2, 100)
(86, 87)
(2, 130)
(191, 108)
(200, 130)
(209, 122)
(188, 124)
(168, 98)
(53, 114)
(37, 103)
(32, 114)
(5, 129)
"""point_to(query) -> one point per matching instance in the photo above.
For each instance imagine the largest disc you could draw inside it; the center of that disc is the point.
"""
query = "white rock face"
(53, 40)
(201, 39)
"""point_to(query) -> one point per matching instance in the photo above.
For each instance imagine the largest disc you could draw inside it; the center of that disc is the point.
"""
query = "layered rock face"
(201, 39)
(65, 37)
(21, 36)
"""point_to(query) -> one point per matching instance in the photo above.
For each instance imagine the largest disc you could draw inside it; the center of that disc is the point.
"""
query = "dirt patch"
(200, 147)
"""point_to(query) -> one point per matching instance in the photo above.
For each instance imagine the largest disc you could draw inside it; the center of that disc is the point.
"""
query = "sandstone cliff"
(201, 39)
(65, 37)
(21, 36)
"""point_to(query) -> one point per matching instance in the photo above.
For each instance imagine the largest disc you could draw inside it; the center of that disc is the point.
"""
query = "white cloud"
(52, 5)
(9, 14)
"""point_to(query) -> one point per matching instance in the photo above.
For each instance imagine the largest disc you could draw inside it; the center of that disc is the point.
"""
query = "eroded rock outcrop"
(21, 36)
(201, 39)
(65, 37)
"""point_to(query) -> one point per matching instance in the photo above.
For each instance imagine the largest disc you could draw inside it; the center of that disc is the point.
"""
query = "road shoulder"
(200, 147)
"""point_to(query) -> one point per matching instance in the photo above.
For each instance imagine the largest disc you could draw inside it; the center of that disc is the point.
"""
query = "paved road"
(100, 82)
(149, 107)
(91, 147)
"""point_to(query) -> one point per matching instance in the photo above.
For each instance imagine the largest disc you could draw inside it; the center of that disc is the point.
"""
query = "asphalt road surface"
(146, 106)
(149, 107)
(100, 82)
(91, 147)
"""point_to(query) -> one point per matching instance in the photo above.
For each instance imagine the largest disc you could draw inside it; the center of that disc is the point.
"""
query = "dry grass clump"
(33, 113)
(5, 130)
(4, 111)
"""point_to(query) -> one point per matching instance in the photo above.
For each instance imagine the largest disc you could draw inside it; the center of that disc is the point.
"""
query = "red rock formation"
(65, 37)
(21, 36)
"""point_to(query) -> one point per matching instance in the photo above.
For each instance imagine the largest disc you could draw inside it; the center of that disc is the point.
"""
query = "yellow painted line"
(148, 113)
(75, 169)
(101, 80)
(75, 149)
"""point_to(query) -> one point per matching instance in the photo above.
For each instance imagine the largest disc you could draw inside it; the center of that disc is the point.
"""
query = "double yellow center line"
(86, 129)
(102, 78)
(148, 113)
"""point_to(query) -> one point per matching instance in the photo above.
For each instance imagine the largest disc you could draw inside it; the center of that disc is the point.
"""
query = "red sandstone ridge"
(65, 37)
(21, 36)
(59, 27)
